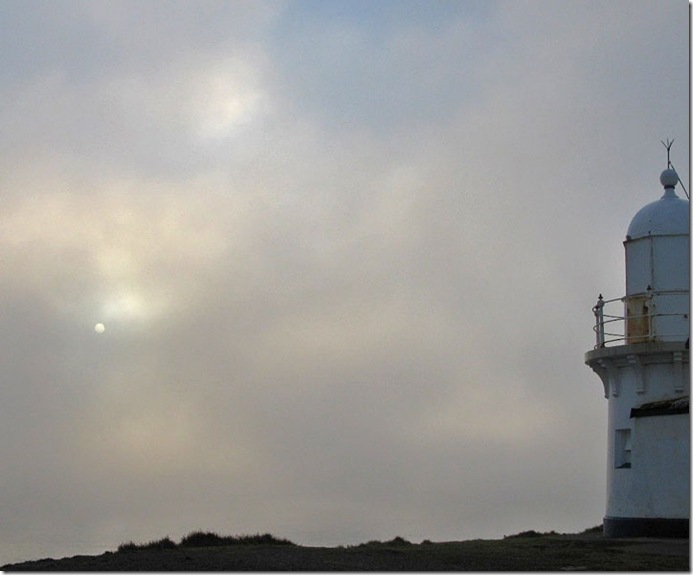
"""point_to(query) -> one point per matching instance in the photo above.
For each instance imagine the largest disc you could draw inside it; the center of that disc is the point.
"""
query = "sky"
(344, 254)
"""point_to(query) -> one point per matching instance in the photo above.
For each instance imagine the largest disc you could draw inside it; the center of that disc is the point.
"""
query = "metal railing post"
(650, 315)
(598, 310)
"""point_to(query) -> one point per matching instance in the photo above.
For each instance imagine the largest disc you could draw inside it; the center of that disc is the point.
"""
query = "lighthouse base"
(645, 527)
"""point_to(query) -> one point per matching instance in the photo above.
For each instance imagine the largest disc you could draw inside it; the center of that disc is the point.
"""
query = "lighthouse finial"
(670, 166)
(667, 145)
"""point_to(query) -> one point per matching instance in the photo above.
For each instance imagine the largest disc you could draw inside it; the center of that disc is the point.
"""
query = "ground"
(518, 553)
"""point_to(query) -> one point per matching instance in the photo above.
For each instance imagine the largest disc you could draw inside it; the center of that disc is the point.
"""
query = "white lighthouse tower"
(641, 356)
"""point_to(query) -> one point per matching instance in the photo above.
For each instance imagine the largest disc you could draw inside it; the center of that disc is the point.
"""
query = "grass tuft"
(162, 544)
(395, 542)
(203, 539)
(206, 539)
(529, 534)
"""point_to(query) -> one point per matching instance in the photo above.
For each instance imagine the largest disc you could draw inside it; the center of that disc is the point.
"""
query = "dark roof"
(664, 407)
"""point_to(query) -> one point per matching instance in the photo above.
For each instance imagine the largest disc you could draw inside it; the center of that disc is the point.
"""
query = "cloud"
(345, 260)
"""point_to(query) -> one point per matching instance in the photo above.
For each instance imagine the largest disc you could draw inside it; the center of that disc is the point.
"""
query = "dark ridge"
(531, 550)
(205, 539)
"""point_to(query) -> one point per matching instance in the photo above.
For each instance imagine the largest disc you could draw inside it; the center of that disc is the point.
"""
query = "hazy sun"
(128, 306)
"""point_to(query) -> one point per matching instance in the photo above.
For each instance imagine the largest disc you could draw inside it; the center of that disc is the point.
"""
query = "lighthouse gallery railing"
(633, 327)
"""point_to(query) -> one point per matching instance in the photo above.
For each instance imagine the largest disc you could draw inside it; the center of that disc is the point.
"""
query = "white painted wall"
(657, 483)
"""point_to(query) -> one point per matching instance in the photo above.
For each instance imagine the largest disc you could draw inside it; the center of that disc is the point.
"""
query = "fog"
(344, 254)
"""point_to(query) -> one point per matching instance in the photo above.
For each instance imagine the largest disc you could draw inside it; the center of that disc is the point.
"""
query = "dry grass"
(205, 539)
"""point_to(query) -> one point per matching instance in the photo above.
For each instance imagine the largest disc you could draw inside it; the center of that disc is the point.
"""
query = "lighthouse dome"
(667, 216)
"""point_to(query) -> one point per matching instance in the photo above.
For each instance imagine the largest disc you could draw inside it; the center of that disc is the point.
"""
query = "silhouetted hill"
(527, 551)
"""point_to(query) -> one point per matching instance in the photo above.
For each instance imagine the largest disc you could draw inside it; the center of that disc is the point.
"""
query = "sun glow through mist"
(343, 256)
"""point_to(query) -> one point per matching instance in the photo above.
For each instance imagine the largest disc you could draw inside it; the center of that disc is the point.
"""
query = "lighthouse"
(641, 356)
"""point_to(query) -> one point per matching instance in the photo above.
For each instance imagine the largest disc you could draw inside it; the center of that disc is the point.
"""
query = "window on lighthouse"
(622, 449)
